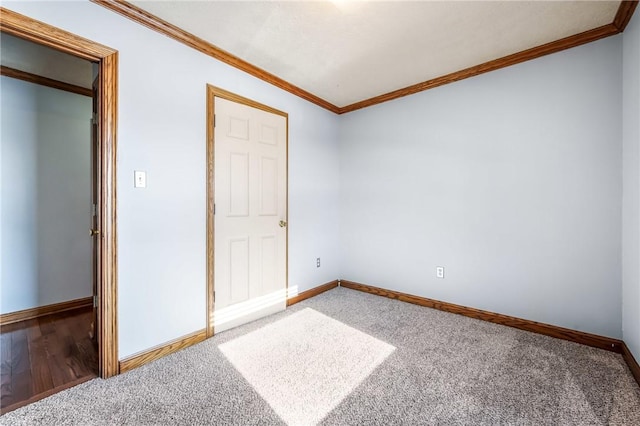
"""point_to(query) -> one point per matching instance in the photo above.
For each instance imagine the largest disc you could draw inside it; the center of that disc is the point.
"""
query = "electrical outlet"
(439, 271)
(317, 262)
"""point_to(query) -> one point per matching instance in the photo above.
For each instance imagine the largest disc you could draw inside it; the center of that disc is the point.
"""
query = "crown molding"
(496, 64)
(622, 18)
(163, 27)
(624, 14)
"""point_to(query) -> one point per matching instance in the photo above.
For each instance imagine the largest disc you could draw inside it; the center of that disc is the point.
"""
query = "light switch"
(139, 179)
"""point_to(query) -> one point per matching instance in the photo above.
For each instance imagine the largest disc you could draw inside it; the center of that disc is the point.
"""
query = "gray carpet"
(445, 369)
(305, 364)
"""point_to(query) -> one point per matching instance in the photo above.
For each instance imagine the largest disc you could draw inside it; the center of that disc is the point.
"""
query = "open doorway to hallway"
(48, 221)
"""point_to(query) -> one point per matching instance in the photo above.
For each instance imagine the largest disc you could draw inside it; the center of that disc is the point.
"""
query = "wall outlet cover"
(139, 179)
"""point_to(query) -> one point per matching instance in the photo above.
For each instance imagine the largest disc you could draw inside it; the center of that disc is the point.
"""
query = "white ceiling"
(347, 51)
(44, 61)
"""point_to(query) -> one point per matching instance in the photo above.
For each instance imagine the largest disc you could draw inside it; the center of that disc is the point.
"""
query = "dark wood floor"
(42, 356)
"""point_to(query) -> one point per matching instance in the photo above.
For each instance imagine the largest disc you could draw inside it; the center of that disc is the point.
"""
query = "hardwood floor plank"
(58, 345)
(47, 324)
(61, 372)
(71, 332)
(5, 353)
(21, 388)
(88, 355)
(33, 329)
(84, 355)
(20, 352)
(44, 355)
(6, 387)
(40, 396)
(16, 386)
(40, 371)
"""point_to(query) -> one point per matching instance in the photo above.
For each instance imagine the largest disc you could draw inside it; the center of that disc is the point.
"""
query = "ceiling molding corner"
(140, 16)
(496, 64)
(624, 14)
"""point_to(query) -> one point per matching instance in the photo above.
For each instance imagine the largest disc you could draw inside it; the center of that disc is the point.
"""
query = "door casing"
(212, 93)
(41, 33)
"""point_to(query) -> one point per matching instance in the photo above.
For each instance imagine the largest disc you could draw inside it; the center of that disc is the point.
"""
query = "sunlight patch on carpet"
(305, 364)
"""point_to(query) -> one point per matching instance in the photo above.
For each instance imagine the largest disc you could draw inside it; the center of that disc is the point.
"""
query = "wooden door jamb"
(41, 33)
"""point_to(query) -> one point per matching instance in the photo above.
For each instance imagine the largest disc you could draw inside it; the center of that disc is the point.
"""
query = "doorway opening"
(100, 243)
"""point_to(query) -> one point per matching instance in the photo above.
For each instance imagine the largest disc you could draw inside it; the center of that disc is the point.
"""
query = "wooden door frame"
(30, 29)
(212, 93)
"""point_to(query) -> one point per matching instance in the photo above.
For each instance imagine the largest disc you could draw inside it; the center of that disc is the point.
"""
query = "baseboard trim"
(312, 292)
(594, 340)
(40, 311)
(144, 357)
(157, 352)
(631, 362)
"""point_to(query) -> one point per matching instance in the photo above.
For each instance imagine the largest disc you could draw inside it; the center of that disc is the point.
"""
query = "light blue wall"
(45, 184)
(162, 130)
(631, 186)
(510, 180)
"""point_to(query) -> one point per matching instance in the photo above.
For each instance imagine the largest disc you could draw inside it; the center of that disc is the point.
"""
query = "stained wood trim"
(157, 352)
(212, 93)
(39, 311)
(230, 96)
(210, 209)
(286, 218)
(163, 27)
(624, 14)
(312, 292)
(27, 28)
(44, 81)
(631, 362)
(625, 11)
(38, 32)
(622, 18)
(516, 58)
(107, 288)
(601, 342)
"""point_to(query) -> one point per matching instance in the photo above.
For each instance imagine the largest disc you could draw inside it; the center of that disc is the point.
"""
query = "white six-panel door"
(250, 238)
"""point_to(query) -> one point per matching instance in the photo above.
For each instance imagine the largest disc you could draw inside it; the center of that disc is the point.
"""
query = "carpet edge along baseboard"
(594, 340)
(40, 311)
(631, 362)
(312, 292)
(157, 352)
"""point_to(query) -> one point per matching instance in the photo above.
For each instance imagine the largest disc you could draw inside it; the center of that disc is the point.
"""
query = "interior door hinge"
(214, 296)
(95, 300)
(214, 208)
(214, 120)
(93, 209)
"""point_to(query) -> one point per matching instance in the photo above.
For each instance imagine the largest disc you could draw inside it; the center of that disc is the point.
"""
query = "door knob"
(282, 224)
(93, 232)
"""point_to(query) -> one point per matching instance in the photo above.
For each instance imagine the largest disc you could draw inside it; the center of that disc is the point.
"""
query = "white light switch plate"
(139, 179)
